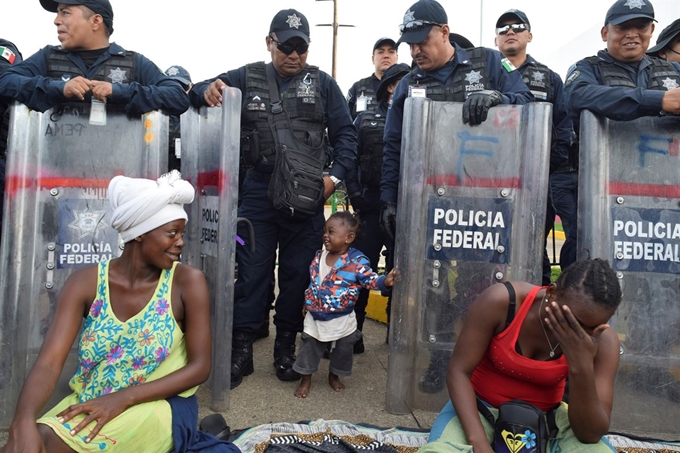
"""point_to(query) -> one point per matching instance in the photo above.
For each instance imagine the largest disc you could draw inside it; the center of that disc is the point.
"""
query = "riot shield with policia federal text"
(471, 211)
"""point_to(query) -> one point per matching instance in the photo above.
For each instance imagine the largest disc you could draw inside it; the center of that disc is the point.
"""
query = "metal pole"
(335, 37)
(481, 23)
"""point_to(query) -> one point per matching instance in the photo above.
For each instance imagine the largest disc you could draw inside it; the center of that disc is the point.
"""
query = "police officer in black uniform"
(513, 33)
(9, 55)
(299, 103)
(175, 143)
(87, 66)
(363, 186)
(621, 82)
(362, 95)
(668, 43)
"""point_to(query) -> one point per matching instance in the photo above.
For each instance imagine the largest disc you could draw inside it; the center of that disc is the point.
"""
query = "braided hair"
(351, 220)
(593, 277)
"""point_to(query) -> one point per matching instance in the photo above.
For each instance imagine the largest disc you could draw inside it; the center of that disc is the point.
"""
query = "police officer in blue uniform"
(363, 186)
(621, 82)
(441, 76)
(87, 66)
(362, 95)
(513, 33)
(285, 97)
(9, 56)
(668, 43)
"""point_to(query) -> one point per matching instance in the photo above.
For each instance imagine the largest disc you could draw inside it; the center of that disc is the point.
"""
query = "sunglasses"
(517, 28)
(288, 49)
(415, 25)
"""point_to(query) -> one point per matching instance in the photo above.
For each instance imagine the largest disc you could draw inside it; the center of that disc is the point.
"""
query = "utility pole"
(335, 26)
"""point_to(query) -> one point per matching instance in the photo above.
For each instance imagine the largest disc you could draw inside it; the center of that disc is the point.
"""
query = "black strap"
(274, 97)
(484, 410)
(511, 307)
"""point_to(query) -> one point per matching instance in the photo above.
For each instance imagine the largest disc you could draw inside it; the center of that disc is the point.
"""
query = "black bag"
(520, 427)
(296, 186)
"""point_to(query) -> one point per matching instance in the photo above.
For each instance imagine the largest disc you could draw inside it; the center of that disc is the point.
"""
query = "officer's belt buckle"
(276, 107)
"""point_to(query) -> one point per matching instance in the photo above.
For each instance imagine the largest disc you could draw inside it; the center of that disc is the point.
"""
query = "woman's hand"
(24, 438)
(102, 410)
(576, 343)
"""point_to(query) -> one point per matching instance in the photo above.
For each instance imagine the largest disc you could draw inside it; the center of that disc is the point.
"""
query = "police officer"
(289, 97)
(175, 144)
(668, 43)
(445, 72)
(363, 186)
(513, 33)
(87, 66)
(9, 55)
(362, 95)
(621, 82)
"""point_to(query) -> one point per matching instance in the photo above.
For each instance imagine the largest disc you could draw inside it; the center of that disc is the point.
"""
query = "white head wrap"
(141, 205)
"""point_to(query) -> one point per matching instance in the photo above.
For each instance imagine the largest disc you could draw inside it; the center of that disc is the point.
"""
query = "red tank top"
(504, 375)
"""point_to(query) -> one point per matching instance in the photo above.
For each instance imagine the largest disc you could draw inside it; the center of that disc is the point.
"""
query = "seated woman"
(145, 344)
(527, 352)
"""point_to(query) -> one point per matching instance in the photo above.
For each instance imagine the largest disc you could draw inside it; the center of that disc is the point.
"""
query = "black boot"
(434, 378)
(241, 356)
(284, 355)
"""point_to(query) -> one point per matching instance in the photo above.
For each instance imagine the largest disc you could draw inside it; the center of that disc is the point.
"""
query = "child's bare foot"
(335, 383)
(303, 389)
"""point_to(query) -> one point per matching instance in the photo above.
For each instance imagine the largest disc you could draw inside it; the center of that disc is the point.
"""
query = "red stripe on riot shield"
(453, 180)
(644, 190)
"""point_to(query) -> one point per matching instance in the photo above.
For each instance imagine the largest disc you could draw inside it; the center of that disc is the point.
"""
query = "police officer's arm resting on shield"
(621, 82)
(289, 58)
(86, 64)
(441, 64)
(145, 341)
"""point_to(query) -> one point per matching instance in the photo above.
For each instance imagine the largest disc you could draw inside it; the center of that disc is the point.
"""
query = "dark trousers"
(370, 241)
(564, 193)
(297, 243)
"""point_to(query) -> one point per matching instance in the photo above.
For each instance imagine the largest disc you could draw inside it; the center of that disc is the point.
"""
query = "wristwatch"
(336, 182)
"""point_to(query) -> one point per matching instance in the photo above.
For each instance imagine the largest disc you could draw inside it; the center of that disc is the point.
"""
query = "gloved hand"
(360, 204)
(388, 219)
(477, 105)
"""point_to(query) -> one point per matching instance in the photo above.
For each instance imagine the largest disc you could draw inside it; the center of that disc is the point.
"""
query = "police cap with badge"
(625, 10)
(101, 7)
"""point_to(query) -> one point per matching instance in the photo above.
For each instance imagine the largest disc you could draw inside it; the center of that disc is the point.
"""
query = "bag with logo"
(520, 427)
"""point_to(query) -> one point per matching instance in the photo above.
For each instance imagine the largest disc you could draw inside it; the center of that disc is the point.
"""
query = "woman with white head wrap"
(145, 344)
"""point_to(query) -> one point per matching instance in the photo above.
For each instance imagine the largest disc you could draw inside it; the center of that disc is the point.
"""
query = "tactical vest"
(301, 102)
(371, 130)
(537, 78)
(615, 76)
(466, 79)
(124, 67)
(365, 88)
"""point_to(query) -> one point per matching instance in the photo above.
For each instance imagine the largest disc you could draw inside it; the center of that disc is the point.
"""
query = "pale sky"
(209, 37)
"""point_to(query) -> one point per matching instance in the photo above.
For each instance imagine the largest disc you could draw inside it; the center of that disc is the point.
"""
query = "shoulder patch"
(7, 54)
(572, 76)
(507, 65)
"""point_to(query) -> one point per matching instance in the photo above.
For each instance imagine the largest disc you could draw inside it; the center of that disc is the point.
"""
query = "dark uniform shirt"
(561, 121)
(151, 90)
(584, 90)
(352, 94)
(341, 131)
(510, 84)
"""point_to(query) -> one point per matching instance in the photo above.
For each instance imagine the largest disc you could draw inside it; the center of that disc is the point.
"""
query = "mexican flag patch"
(507, 65)
(7, 54)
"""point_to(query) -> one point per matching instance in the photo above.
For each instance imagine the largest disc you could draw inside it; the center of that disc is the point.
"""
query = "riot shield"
(210, 160)
(629, 186)
(56, 218)
(471, 212)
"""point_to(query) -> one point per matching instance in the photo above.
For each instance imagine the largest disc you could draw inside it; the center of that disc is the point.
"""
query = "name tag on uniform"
(362, 103)
(98, 113)
(415, 91)
(178, 148)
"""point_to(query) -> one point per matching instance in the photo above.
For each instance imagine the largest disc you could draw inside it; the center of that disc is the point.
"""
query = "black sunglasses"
(415, 25)
(288, 49)
(517, 28)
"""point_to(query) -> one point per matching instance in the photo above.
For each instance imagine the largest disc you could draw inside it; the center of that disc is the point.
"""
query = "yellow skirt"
(142, 428)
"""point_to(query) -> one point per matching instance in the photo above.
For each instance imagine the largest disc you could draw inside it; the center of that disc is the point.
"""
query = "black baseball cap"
(461, 40)
(179, 73)
(383, 40)
(419, 20)
(513, 14)
(290, 23)
(101, 7)
(390, 75)
(625, 10)
(667, 35)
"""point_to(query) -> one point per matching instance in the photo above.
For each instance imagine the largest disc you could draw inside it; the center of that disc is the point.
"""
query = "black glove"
(360, 204)
(388, 219)
(477, 105)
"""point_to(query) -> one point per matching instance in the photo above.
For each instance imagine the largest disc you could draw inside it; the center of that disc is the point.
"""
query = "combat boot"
(284, 355)
(434, 378)
(241, 356)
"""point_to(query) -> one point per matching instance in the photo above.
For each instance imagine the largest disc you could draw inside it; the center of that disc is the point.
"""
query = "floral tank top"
(113, 355)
